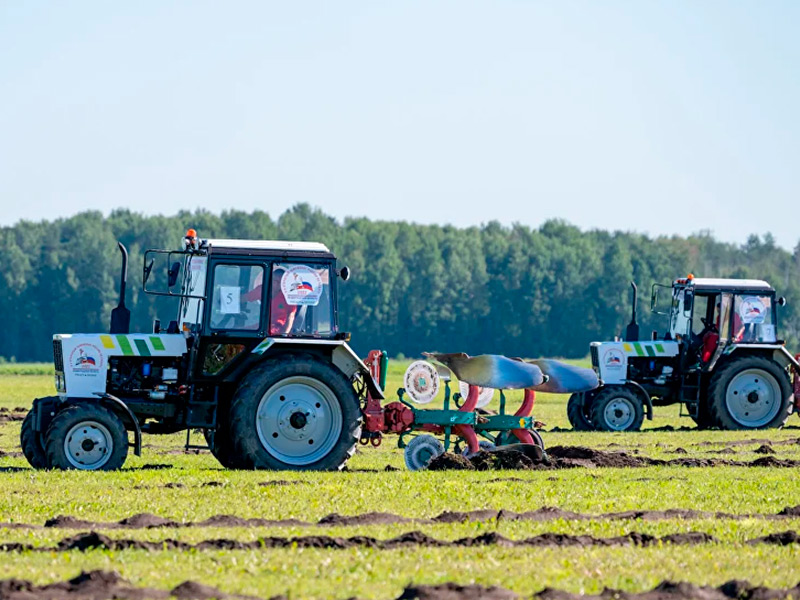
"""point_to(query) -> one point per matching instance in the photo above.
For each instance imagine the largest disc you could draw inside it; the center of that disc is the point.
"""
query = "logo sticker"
(301, 285)
(86, 359)
(613, 358)
(752, 310)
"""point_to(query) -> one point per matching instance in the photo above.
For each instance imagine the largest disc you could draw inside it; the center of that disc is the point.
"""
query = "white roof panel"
(750, 284)
(269, 245)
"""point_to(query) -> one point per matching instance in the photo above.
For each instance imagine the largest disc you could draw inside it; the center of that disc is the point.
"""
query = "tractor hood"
(81, 359)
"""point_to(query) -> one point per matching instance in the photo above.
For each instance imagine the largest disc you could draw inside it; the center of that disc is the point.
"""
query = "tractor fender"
(342, 356)
(776, 352)
(645, 397)
(47, 408)
(126, 414)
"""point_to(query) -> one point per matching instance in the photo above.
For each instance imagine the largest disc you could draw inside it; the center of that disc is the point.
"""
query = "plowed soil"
(105, 585)
(570, 457)
(546, 513)
(94, 541)
(101, 585)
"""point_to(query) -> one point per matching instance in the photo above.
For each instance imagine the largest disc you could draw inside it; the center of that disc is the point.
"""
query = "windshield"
(753, 319)
(679, 319)
(194, 283)
(300, 300)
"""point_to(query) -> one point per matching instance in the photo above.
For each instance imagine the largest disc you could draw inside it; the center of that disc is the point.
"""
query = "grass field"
(190, 488)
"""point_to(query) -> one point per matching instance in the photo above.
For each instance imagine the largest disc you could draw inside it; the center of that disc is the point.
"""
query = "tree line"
(519, 291)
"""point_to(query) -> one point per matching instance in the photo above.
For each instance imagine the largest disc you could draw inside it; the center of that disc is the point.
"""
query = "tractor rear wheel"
(617, 408)
(87, 437)
(295, 412)
(220, 442)
(221, 446)
(31, 442)
(703, 418)
(751, 392)
(578, 413)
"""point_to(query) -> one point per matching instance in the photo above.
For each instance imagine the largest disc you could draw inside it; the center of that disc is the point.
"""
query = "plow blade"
(563, 378)
(491, 370)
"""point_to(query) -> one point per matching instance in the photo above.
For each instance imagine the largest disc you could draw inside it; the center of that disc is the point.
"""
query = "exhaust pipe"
(121, 316)
(632, 331)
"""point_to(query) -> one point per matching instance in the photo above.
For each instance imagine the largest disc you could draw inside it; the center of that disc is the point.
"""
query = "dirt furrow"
(105, 585)
(97, 541)
(516, 457)
(546, 513)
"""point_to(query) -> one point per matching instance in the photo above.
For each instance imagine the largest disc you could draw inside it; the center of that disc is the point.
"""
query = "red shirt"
(279, 313)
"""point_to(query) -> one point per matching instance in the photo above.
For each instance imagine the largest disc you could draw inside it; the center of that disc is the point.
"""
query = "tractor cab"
(710, 315)
(239, 295)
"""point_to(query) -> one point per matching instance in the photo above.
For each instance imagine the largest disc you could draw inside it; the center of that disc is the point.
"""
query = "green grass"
(26, 369)
(32, 497)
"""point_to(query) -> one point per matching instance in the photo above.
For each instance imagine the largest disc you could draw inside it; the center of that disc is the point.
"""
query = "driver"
(281, 313)
(710, 336)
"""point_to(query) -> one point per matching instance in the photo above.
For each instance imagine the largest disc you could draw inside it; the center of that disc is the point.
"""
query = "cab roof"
(271, 248)
(274, 245)
(701, 283)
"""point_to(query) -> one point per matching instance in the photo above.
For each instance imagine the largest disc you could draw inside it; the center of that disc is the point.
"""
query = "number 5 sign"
(230, 300)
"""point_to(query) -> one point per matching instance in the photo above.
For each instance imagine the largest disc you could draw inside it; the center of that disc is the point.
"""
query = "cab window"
(300, 300)
(680, 319)
(753, 319)
(236, 298)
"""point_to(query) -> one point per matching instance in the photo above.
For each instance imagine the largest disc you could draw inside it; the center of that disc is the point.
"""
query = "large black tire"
(578, 413)
(220, 443)
(750, 392)
(295, 412)
(704, 420)
(616, 408)
(87, 437)
(31, 442)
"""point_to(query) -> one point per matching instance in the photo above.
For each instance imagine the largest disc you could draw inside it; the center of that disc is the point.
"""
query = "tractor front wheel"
(751, 392)
(578, 413)
(87, 437)
(31, 442)
(296, 412)
(617, 408)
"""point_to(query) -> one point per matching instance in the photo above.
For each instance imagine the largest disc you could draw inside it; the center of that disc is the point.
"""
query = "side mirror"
(172, 274)
(654, 299)
(781, 301)
(688, 300)
(147, 268)
(344, 273)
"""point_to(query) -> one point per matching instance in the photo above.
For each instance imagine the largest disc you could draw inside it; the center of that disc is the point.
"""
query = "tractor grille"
(595, 359)
(58, 356)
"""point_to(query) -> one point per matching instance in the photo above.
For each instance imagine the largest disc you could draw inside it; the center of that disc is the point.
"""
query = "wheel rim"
(753, 398)
(421, 450)
(88, 445)
(299, 420)
(619, 413)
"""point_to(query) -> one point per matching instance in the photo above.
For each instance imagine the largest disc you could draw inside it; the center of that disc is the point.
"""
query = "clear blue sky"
(659, 117)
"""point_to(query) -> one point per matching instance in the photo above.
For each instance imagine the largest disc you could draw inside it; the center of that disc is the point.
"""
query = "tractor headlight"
(60, 384)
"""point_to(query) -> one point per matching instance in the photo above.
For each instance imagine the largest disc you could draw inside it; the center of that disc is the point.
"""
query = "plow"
(463, 422)
(255, 359)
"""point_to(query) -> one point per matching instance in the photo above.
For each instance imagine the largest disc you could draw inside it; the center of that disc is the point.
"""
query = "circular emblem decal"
(613, 358)
(86, 359)
(752, 310)
(301, 285)
(421, 382)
